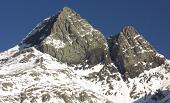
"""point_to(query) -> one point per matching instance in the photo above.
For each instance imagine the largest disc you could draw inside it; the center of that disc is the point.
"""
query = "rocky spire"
(132, 54)
(69, 38)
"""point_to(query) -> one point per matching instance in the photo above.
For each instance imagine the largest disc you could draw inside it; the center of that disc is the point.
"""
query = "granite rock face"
(132, 54)
(69, 38)
(72, 40)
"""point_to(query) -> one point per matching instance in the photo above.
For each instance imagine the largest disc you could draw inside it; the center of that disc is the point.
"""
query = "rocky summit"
(64, 59)
(69, 38)
(132, 54)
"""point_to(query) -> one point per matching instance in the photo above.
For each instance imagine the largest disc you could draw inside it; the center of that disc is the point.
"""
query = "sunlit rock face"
(69, 38)
(132, 54)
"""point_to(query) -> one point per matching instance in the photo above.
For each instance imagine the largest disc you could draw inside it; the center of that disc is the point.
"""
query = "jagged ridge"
(132, 54)
(71, 39)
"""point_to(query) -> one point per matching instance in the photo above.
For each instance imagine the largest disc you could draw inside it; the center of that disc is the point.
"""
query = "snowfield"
(29, 76)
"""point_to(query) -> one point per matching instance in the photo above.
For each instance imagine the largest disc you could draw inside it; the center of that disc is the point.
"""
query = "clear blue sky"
(150, 17)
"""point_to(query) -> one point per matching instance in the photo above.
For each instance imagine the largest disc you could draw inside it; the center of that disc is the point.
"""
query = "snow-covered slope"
(31, 76)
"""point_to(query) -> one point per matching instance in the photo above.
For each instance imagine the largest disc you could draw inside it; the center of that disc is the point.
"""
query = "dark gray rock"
(69, 38)
(72, 40)
(132, 54)
(39, 33)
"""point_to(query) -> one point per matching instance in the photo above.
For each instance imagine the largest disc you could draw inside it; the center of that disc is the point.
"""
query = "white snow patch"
(159, 55)
(55, 43)
(136, 36)
(54, 75)
(9, 52)
(85, 72)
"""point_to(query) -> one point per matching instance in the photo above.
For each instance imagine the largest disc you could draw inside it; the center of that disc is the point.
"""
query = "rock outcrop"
(72, 40)
(69, 38)
(132, 54)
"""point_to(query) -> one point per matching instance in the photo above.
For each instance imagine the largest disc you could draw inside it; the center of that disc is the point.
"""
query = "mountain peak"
(67, 9)
(129, 30)
(69, 38)
(130, 51)
(46, 27)
(130, 37)
(67, 12)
